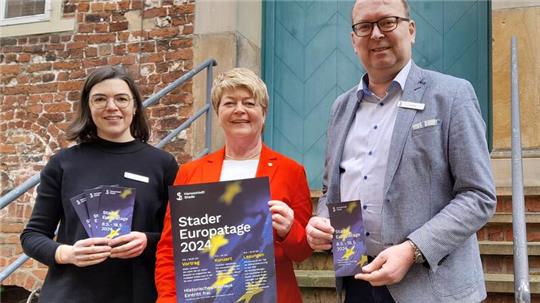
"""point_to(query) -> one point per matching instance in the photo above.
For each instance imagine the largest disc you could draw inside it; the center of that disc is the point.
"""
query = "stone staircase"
(316, 277)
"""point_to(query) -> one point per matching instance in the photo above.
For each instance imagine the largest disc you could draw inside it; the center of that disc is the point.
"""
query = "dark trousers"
(360, 291)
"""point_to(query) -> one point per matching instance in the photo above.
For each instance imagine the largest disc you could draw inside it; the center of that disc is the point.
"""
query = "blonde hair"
(240, 78)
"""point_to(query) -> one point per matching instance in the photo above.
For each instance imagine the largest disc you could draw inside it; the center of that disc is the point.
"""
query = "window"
(30, 17)
(24, 11)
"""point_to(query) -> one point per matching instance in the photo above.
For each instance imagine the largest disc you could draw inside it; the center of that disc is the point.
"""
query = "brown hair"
(83, 128)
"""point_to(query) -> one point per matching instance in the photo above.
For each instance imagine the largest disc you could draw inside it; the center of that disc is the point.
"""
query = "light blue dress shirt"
(364, 159)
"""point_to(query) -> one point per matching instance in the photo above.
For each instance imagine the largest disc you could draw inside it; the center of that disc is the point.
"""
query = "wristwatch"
(418, 256)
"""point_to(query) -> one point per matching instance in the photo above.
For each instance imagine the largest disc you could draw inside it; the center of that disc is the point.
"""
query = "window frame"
(46, 16)
(55, 23)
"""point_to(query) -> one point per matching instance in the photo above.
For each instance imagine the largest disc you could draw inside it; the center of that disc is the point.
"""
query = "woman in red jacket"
(240, 99)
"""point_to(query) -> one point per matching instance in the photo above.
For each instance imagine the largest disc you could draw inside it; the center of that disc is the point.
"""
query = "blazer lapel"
(211, 171)
(413, 92)
(268, 163)
(345, 121)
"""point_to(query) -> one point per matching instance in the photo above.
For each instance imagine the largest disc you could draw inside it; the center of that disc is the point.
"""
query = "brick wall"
(40, 80)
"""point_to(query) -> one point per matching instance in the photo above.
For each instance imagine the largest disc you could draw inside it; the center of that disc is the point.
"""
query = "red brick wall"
(40, 80)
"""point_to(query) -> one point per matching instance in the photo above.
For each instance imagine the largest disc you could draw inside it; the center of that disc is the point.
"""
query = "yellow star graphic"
(216, 242)
(345, 233)
(113, 233)
(348, 253)
(230, 192)
(126, 193)
(113, 215)
(251, 290)
(363, 260)
(351, 207)
(223, 279)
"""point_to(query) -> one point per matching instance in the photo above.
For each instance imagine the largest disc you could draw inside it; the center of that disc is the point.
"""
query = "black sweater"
(69, 173)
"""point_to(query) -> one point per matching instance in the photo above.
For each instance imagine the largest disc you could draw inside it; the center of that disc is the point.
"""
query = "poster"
(223, 242)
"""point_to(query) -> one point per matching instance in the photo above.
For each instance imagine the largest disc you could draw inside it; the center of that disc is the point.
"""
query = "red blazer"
(287, 183)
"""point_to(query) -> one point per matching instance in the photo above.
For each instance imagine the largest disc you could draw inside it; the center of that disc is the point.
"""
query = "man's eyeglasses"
(100, 101)
(386, 24)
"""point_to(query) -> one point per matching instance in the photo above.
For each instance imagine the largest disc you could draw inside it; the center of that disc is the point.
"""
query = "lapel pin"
(269, 163)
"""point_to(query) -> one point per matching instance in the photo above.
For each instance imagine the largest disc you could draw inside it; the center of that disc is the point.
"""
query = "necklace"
(254, 156)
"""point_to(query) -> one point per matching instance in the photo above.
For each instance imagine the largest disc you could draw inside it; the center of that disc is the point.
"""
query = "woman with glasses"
(111, 131)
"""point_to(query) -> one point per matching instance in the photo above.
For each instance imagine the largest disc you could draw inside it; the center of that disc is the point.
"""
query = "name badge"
(411, 105)
(136, 177)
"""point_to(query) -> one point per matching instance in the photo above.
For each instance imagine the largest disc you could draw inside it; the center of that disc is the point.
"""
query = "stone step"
(506, 218)
(319, 260)
(315, 278)
(495, 283)
(532, 202)
(503, 215)
(492, 252)
(497, 257)
(500, 228)
(506, 248)
(504, 283)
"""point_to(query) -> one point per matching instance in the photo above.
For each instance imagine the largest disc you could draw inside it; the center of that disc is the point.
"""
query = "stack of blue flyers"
(106, 210)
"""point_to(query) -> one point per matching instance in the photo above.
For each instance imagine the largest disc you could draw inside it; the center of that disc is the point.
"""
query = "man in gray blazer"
(410, 144)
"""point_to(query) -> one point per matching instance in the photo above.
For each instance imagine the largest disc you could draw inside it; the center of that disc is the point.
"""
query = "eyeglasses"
(386, 24)
(100, 101)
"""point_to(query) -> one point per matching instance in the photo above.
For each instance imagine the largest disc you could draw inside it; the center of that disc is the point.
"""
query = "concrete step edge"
(506, 248)
(506, 217)
(504, 283)
(530, 190)
(315, 278)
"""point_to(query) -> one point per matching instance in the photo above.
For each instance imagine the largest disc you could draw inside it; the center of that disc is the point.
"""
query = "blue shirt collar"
(400, 80)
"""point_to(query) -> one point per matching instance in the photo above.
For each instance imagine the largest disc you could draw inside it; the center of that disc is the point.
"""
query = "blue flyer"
(93, 196)
(79, 204)
(223, 242)
(349, 249)
(115, 211)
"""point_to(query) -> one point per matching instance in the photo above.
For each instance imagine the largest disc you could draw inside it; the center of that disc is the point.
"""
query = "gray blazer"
(438, 189)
